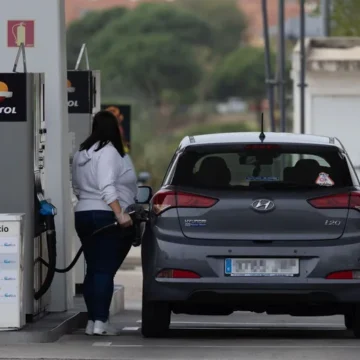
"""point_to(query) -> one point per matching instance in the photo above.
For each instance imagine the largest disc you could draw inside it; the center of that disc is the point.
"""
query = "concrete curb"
(54, 325)
(35, 334)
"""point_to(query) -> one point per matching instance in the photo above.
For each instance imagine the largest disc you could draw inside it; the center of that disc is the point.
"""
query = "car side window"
(168, 175)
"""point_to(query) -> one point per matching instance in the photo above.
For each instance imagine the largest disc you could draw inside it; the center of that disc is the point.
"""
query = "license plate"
(261, 267)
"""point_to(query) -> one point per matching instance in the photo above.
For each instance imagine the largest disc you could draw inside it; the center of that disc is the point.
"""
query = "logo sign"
(4, 92)
(21, 31)
(8, 294)
(8, 276)
(263, 205)
(9, 261)
(8, 245)
(12, 97)
(80, 92)
(123, 115)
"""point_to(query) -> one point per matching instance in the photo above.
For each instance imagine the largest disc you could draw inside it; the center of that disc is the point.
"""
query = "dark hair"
(105, 130)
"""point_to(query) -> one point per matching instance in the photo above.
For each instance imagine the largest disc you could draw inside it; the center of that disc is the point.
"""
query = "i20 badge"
(263, 205)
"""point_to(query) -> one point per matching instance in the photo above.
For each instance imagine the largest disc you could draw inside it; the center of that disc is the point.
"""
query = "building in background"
(253, 11)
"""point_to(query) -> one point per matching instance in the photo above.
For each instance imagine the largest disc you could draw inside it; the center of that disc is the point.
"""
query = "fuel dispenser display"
(81, 87)
(22, 160)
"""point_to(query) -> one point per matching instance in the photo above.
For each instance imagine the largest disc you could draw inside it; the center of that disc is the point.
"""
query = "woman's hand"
(124, 220)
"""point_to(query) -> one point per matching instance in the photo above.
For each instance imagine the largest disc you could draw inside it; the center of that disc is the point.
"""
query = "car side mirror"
(144, 195)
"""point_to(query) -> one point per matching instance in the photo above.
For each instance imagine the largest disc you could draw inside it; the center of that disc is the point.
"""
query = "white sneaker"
(89, 328)
(104, 329)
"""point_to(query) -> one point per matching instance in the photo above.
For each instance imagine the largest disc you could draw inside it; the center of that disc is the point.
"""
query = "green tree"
(150, 65)
(225, 18)
(82, 30)
(345, 18)
(151, 52)
(241, 73)
(151, 18)
(228, 26)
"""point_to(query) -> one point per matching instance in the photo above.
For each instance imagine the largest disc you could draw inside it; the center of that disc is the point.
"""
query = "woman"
(105, 185)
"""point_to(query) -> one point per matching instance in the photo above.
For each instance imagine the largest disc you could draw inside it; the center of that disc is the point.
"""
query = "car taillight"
(165, 199)
(177, 274)
(344, 275)
(262, 146)
(337, 201)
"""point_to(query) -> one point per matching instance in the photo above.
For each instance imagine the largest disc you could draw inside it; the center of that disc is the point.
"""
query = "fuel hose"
(48, 211)
(77, 256)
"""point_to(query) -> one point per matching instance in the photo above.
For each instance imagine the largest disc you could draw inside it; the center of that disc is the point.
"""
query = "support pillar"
(43, 31)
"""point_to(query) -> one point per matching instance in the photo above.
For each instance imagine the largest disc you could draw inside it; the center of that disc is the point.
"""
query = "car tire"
(156, 317)
(356, 322)
(349, 321)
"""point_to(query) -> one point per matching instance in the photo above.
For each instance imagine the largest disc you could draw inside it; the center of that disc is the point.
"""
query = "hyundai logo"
(263, 205)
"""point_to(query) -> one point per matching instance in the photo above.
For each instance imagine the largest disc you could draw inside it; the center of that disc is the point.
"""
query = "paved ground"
(132, 282)
(240, 336)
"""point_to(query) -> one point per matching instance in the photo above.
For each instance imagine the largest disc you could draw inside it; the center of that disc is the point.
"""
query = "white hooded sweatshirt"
(101, 177)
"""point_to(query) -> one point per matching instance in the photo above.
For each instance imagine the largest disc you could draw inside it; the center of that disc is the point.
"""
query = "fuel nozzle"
(138, 215)
(47, 209)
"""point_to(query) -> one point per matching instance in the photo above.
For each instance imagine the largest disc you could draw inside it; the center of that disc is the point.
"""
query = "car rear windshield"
(251, 166)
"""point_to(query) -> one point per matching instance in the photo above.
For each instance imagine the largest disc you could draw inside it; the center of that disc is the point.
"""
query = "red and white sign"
(21, 31)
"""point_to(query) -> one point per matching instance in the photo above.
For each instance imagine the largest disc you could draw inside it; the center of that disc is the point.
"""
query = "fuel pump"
(22, 162)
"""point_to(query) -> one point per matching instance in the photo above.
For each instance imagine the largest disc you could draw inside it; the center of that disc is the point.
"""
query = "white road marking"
(129, 328)
(128, 346)
(242, 346)
(101, 344)
(253, 324)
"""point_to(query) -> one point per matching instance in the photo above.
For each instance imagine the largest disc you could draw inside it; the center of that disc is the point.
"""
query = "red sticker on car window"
(324, 180)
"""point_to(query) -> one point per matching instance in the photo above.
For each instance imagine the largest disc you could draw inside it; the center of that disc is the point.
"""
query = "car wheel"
(349, 321)
(356, 322)
(156, 317)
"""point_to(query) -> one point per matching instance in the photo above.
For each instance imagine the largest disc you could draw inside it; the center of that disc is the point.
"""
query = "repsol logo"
(8, 110)
(72, 103)
(4, 228)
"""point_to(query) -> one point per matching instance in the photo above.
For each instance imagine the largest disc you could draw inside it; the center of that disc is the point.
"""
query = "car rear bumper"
(311, 286)
(207, 291)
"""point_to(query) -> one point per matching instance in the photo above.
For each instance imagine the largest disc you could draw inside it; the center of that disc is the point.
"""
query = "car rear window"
(270, 166)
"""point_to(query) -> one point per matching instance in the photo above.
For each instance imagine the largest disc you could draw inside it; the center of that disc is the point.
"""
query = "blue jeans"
(104, 253)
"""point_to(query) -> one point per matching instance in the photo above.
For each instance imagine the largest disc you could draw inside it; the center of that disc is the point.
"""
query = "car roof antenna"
(262, 135)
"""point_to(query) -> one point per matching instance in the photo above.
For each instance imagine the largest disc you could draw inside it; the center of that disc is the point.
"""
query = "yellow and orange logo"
(70, 88)
(4, 92)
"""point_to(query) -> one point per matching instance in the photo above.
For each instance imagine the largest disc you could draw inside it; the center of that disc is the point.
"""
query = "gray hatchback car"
(245, 223)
